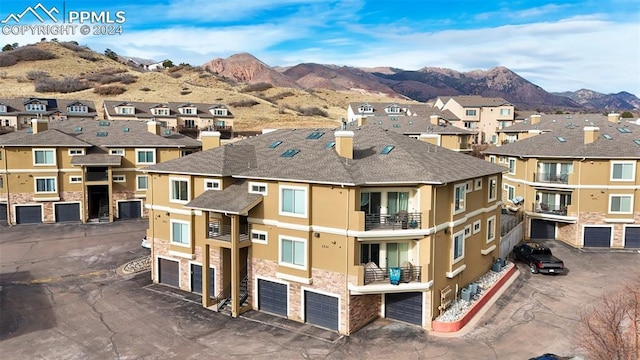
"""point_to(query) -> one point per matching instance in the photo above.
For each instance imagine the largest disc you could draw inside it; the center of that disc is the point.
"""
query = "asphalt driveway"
(61, 298)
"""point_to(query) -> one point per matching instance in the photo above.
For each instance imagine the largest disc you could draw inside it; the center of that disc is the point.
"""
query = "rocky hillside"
(245, 68)
(594, 100)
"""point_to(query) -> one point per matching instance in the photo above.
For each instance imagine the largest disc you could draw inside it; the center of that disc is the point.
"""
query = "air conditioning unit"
(465, 294)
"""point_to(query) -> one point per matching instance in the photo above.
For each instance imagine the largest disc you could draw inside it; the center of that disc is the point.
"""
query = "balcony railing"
(399, 221)
(551, 178)
(97, 176)
(376, 275)
(223, 232)
(551, 209)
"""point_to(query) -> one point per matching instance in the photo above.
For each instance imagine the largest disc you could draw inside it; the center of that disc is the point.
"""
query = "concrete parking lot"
(61, 298)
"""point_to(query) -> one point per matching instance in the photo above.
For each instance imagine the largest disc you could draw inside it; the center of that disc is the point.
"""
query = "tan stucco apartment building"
(575, 177)
(306, 224)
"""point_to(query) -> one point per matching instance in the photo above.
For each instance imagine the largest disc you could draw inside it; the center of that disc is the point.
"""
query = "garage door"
(272, 297)
(29, 214)
(67, 212)
(321, 310)
(632, 237)
(169, 272)
(542, 229)
(196, 280)
(3, 213)
(597, 236)
(405, 307)
(129, 210)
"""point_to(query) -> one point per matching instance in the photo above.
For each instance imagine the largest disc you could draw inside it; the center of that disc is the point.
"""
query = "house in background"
(361, 110)
(485, 115)
(16, 113)
(314, 225)
(82, 170)
(575, 177)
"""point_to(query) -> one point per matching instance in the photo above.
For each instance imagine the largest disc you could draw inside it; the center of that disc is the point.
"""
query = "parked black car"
(538, 257)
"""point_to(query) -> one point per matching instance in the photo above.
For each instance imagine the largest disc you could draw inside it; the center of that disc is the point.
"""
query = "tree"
(167, 64)
(610, 330)
(111, 54)
(626, 114)
(7, 47)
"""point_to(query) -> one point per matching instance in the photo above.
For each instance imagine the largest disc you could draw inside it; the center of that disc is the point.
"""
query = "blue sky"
(562, 45)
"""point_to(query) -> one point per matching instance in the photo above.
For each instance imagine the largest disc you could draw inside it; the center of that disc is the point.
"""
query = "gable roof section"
(478, 101)
(410, 125)
(234, 199)
(51, 137)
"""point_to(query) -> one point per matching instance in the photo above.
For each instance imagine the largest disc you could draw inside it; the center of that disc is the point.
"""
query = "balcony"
(376, 275)
(97, 176)
(222, 232)
(550, 209)
(551, 178)
(398, 221)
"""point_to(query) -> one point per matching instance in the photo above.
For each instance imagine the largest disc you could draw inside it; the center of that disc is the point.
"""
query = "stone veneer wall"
(363, 309)
(127, 195)
(47, 206)
(572, 233)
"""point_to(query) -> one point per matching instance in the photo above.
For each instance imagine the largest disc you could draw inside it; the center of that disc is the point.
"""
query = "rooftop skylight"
(103, 123)
(387, 149)
(78, 128)
(275, 144)
(102, 134)
(126, 129)
(315, 135)
(561, 139)
(330, 144)
(289, 153)
(607, 136)
(624, 130)
(167, 132)
(637, 141)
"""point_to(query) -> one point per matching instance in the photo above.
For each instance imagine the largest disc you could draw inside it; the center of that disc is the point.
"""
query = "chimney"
(613, 117)
(435, 120)
(344, 143)
(362, 120)
(154, 127)
(535, 119)
(590, 134)
(210, 139)
(430, 138)
(39, 125)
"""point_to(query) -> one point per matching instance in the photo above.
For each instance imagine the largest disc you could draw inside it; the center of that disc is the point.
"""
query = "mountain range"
(422, 85)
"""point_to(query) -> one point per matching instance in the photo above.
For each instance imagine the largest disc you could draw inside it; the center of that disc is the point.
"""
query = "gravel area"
(459, 307)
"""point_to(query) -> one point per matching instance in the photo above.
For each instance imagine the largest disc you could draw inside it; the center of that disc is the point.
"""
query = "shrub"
(185, 92)
(243, 103)
(7, 59)
(36, 74)
(145, 89)
(29, 53)
(261, 86)
(64, 85)
(72, 45)
(175, 75)
(87, 55)
(109, 76)
(128, 79)
(312, 111)
(109, 90)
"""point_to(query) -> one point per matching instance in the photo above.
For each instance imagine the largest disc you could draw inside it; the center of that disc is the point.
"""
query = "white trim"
(128, 200)
(35, 185)
(488, 250)
(619, 221)
(181, 254)
(477, 184)
(71, 181)
(119, 152)
(259, 184)
(492, 218)
(306, 252)
(155, 160)
(452, 274)
(492, 159)
(68, 202)
(495, 190)
(14, 213)
(298, 279)
(455, 260)
(462, 208)
(157, 267)
(304, 289)
(55, 160)
(277, 281)
(306, 200)
(631, 204)
(388, 288)
(633, 170)
(182, 222)
(173, 210)
(75, 149)
(478, 224)
(624, 233)
(260, 241)
(571, 187)
(217, 182)
(467, 230)
(596, 225)
(138, 183)
(515, 162)
(171, 194)
(120, 178)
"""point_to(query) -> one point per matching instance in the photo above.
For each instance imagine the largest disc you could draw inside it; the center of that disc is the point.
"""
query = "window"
(1, 182)
(293, 252)
(74, 152)
(512, 166)
(145, 156)
(180, 233)
(75, 179)
(220, 112)
(505, 111)
(511, 192)
(501, 159)
(160, 111)
(623, 171)
(459, 198)
(77, 109)
(478, 185)
(492, 159)
(45, 185)
(3, 108)
(493, 184)
(212, 184)
(293, 201)
(470, 112)
(259, 236)
(179, 190)
(187, 110)
(119, 178)
(119, 152)
(35, 107)
(458, 246)
(467, 231)
(142, 182)
(189, 123)
(476, 226)
(44, 157)
(620, 204)
(257, 188)
(491, 229)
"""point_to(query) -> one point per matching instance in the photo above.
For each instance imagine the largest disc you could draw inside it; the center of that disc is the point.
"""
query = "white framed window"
(478, 185)
(180, 233)
(459, 197)
(623, 170)
(470, 112)
(502, 159)
(260, 237)
(212, 184)
(510, 191)
(491, 229)
(119, 152)
(457, 247)
(125, 110)
(119, 178)
(505, 111)
(293, 201)
(44, 157)
(512, 166)
(45, 185)
(74, 152)
(477, 226)
(179, 190)
(620, 204)
(142, 182)
(1, 182)
(258, 188)
(74, 179)
(467, 231)
(492, 188)
(492, 159)
(292, 252)
(469, 186)
(145, 156)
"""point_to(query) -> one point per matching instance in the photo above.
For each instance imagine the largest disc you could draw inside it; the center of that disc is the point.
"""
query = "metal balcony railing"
(381, 275)
(551, 178)
(552, 209)
(399, 221)
(97, 176)
(223, 232)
